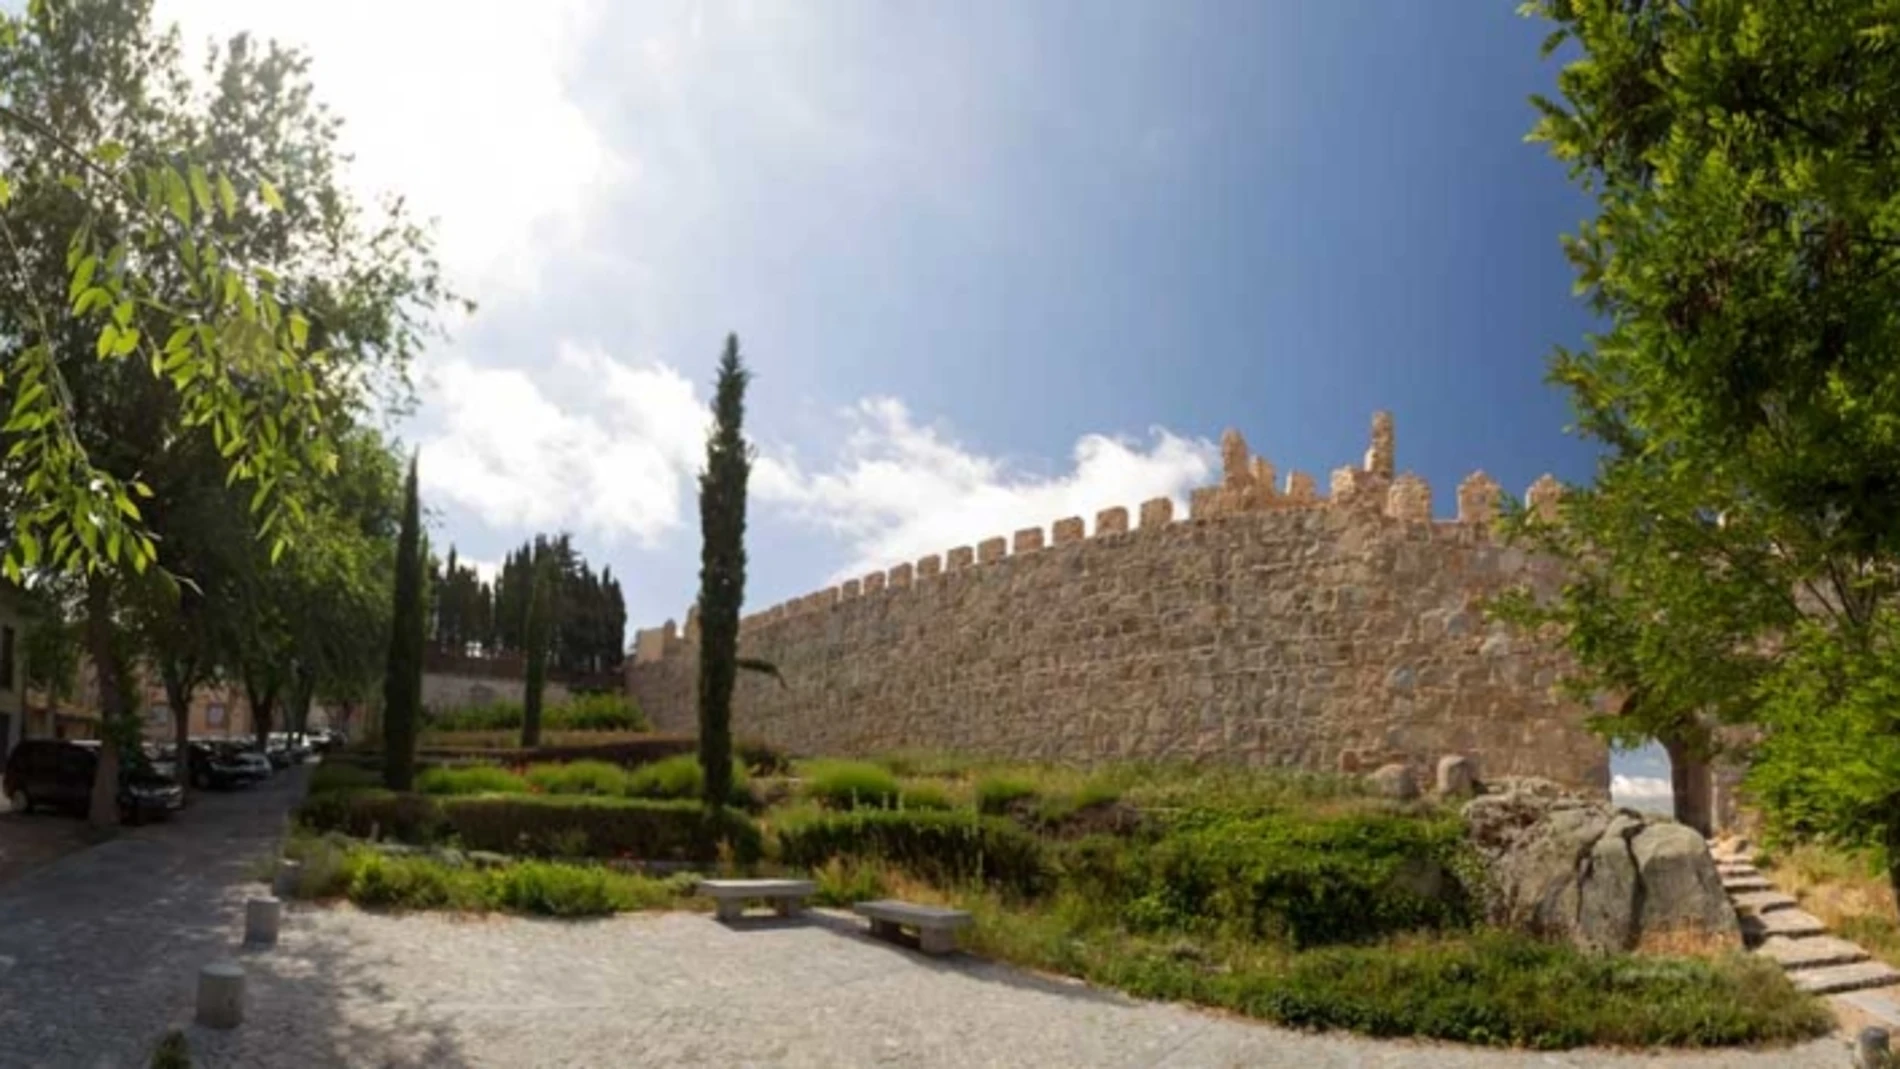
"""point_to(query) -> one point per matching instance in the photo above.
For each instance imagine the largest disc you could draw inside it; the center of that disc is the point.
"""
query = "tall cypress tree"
(722, 488)
(535, 632)
(402, 679)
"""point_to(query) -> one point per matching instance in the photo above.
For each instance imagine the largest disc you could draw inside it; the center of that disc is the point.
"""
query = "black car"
(58, 774)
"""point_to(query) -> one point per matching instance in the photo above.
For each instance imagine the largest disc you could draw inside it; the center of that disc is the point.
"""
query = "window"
(6, 658)
(214, 716)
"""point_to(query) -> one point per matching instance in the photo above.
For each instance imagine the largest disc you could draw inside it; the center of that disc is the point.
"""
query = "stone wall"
(1274, 627)
(443, 691)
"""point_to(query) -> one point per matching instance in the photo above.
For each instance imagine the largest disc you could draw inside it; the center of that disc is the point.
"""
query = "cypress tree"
(535, 632)
(402, 679)
(722, 489)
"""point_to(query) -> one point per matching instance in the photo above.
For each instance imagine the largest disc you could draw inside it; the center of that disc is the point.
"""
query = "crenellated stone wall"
(1272, 627)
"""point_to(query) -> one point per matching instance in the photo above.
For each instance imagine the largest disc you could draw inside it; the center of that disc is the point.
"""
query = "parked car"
(216, 767)
(254, 763)
(58, 774)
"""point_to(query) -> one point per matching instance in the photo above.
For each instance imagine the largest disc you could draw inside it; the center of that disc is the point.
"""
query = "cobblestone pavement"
(99, 950)
(27, 842)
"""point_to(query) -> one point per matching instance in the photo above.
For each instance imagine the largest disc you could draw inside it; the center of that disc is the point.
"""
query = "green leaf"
(6, 192)
(82, 278)
(201, 189)
(227, 197)
(112, 546)
(270, 195)
(29, 548)
(127, 341)
(276, 550)
(108, 338)
(299, 330)
(177, 196)
(122, 312)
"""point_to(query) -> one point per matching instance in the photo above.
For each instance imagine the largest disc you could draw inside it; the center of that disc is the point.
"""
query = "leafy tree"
(402, 682)
(1746, 171)
(157, 289)
(722, 497)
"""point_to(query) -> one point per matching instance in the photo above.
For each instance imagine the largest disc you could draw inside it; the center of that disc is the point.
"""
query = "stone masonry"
(1271, 628)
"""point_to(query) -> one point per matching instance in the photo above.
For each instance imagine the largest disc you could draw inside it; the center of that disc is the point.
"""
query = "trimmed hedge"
(851, 785)
(627, 753)
(582, 826)
(931, 845)
(546, 826)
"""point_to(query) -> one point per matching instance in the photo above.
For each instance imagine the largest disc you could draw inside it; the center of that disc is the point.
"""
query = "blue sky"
(993, 263)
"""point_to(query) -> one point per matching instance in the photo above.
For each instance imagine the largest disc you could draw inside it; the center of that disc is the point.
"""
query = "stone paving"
(30, 841)
(350, 988)
(99, 950)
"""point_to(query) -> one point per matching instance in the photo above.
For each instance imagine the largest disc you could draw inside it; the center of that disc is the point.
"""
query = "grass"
(850, 784)
(578, 777)
(334, 867)
(1847, 889)
(997, 792)
(1482, 987)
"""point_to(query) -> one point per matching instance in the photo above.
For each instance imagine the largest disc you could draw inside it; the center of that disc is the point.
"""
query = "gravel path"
(99, 951)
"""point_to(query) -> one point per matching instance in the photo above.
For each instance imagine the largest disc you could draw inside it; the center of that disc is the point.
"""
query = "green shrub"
(947, 847)
(583, 712)
(1302, 881)
(334, 775)
(577, 825)
(851, 785)
(172, 1052)
(383, 881)
(924, 795)
(995, 794)
(470, 779)
(842, 883)
(553, 890)
(579, 777)
(595, 712)
(374, 814)
(1503, 989)
(681, 777)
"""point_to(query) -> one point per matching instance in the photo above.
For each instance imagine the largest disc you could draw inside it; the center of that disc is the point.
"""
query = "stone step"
(1738, 868)
(1762, 901)
(1792, 923)
(1810, 953)
(1739, 884)
(1835, 978)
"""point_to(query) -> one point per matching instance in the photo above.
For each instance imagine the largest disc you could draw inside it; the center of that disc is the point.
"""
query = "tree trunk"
(101, 643)
(1691, 783)
(178, 692)
(261, 708)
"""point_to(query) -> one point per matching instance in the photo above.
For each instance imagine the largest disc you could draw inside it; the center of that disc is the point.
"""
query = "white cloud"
(902, 491)
(588, 443)
(1642, 792)
(458, 105)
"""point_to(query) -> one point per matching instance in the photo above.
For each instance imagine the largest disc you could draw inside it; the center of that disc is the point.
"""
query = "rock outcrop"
(1567, 867)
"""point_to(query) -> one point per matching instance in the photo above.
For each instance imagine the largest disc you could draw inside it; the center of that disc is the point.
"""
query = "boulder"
(1568, 867)
(1394, 781)
(1456, 778)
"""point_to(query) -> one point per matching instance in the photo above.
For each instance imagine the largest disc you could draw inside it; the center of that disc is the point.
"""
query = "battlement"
(1247, 485)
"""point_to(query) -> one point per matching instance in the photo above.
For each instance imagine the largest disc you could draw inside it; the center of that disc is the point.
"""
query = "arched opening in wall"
(1640, 779)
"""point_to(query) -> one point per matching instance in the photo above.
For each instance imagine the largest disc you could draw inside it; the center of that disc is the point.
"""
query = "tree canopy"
(1738, 546)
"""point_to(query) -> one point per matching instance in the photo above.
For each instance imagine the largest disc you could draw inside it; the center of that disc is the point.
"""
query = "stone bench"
(730, 896)
(936, 927)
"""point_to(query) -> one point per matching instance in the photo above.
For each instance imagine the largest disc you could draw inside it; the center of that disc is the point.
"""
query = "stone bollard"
(284, 883)
(221, 995)
(1871, 1049)
(261, 919)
